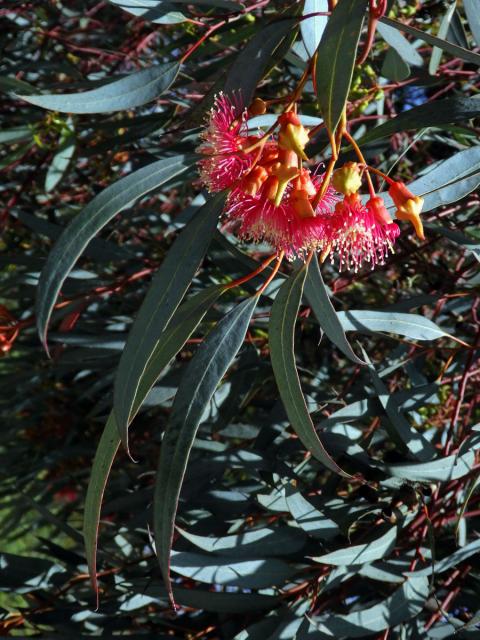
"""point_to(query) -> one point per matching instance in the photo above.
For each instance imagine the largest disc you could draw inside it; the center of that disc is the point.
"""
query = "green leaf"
(229, 570)
(404, 324)
(312, 28)
(399, 428)
(442, 33)
(257, 543)
(249, 66)
(310, 519)
(156, 11)
(449, 47)
(472, 9)
(470, 244)
(102, 463)
(324, 311)
(126, 93)
(443, 470)
(450, 561)
(394, 67)
(183, 324)
(164, 295)
(405, 603)
(198, 384)
(430, 114)
(89, 222)
(15, 134)
(402, 46)
(281, 337)
(377, 547)
(59, 164)
(336, 56)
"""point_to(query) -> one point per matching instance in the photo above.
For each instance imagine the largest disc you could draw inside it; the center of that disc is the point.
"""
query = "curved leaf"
(204, 372)
(336, 58)
(184, 322)
(405, 603)
(281, 338)
(89, 222)
(312, 28)
(450, 561)
(165, 293)
(404, 324)
(324, 311)
(126, 93)
(310, 519)
(357, 554)
(443, 470)
(472, 8)
(442, 33)
(402, 46)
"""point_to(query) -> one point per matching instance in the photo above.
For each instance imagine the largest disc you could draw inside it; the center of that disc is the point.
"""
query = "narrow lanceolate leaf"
(281, 338)
(442, 33)
(443, 470)
(449, 47)
(450, 561)
(404, 324)
(183, 324)
(402, 46)
(432, 114)
(203, 374)
(398, 427)
(405, 603)
(249, 66)
(472, 9)
(89, 222)
(324, 311)
(102, 463)
(378, 547)
(164, 295)
(128, 92)
(313, 26)
(336, 58)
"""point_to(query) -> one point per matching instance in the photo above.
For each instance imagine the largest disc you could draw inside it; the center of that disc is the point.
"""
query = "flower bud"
(408, 206)
(347, 179)
(257, 108)
(301, 203)
(284, 173)
(377, 207)
(254, 180)
(292, 135)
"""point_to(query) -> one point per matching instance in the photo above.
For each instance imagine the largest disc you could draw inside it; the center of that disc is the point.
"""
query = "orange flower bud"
(377, 207)
(257, 108)
(254, 180)
(271, 188)
(301, 203)
(408, 206)
(347, 179)
(292, 135)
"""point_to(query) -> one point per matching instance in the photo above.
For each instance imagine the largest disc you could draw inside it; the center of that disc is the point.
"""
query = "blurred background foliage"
(269, 544)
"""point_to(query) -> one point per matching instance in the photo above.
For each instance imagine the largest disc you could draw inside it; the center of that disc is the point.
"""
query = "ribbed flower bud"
(347, 179)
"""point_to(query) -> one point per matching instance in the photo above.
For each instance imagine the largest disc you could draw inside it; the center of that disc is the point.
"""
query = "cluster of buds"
(273, 197)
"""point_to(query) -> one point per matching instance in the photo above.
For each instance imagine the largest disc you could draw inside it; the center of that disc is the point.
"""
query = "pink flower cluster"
(274, 198)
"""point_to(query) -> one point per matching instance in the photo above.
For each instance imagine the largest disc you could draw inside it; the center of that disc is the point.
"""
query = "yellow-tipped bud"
(408, 206)
(284, 174)
(301, 203)
(347, 179)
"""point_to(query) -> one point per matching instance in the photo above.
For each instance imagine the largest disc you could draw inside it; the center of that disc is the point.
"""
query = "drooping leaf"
(128, 92)
(185, 320)
(311, 520)
(312, 28)
(442, 33)
(402, 46)
(156, 11)
(89, 222)
(449, 47)
(431, 114)
(336, 58)
(450, 561)
(203, 374)
(256, 543)
(443, 470)
(405, 603)
(164, 295)
(324, 311)
(398, 427)
(394, 67)
(229, 570)
(104, 457)
(281, 338)
(59, 164)
(250, 65)
(378, 547)
(410, 325)
(472, 9)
